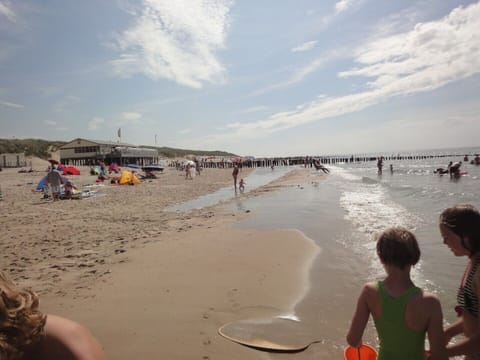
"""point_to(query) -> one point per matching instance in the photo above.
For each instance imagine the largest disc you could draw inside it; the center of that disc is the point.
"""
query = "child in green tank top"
(403, 314)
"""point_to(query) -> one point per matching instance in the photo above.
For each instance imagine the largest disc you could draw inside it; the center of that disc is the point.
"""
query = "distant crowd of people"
(453, 168)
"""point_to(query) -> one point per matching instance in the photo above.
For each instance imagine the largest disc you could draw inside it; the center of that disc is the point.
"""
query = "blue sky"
(261, 78)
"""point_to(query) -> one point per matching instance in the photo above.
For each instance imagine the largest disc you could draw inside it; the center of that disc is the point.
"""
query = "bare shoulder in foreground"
(68, 340)
(28, 334)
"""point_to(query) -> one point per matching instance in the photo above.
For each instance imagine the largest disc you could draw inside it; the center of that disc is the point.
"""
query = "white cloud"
(340, 7)
(95, 123)
(65, 103)
(309, 45)
(429, 56)
(50, 122)
(254, 109)
(73, 98)
(343, 5)
(10, 104)
(6, 11)
(176, 40)
(302, 72)
(401, 21)
(131, 115)
(423, 59)
(185, 131)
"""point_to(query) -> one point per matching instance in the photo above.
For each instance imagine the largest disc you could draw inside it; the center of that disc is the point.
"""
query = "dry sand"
(151, 284)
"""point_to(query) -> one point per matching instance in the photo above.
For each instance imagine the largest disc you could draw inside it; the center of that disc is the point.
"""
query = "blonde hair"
(21, 323)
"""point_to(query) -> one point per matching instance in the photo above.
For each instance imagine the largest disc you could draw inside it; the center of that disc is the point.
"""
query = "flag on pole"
(119, 133)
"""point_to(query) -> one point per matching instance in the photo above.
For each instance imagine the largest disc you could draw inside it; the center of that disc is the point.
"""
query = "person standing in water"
(460, 230)
(380, 165)
(403, 313)
(235, 175)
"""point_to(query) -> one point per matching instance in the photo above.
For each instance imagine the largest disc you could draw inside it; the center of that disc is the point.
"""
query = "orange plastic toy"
(364, 352)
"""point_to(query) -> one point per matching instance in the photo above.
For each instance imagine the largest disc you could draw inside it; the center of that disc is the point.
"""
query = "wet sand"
(149, 283)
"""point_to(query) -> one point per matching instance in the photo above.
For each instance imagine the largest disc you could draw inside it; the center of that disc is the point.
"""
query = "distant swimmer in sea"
(319, 166)
(443, 171)
(455, 169)
(476, 160)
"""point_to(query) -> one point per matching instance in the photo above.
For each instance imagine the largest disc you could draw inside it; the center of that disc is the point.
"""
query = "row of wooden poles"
(308, 161)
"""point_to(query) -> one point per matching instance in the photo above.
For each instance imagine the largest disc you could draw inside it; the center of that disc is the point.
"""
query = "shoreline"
(178, 293)
(100, 291)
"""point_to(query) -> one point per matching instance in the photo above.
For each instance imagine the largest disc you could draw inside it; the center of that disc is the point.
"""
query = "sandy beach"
(148, 283)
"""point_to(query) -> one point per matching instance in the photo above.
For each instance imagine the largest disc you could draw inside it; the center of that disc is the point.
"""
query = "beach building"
(88, 152)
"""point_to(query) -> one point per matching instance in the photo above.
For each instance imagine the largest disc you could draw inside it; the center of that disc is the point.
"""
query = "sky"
(251, 77)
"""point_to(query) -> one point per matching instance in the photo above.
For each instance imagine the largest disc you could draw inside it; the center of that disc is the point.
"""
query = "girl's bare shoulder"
(429, 300)
(370, 289)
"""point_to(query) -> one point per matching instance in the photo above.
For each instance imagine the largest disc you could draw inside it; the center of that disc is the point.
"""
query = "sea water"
(344, 211)
(258, 178)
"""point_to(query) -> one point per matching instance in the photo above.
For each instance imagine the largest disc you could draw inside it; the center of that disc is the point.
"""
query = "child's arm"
(453, 330)
(471, 344)
(436, 336)
(360, 318)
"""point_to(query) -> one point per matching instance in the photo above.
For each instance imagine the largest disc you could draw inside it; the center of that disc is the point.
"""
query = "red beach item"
(364, 352)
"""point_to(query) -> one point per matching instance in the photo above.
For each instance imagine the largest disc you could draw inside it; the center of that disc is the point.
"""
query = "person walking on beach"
(402, 312)
(54, 180)
(460, 230)
(235, 175)
(188, 171)
(197, 167)
(26, 333)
